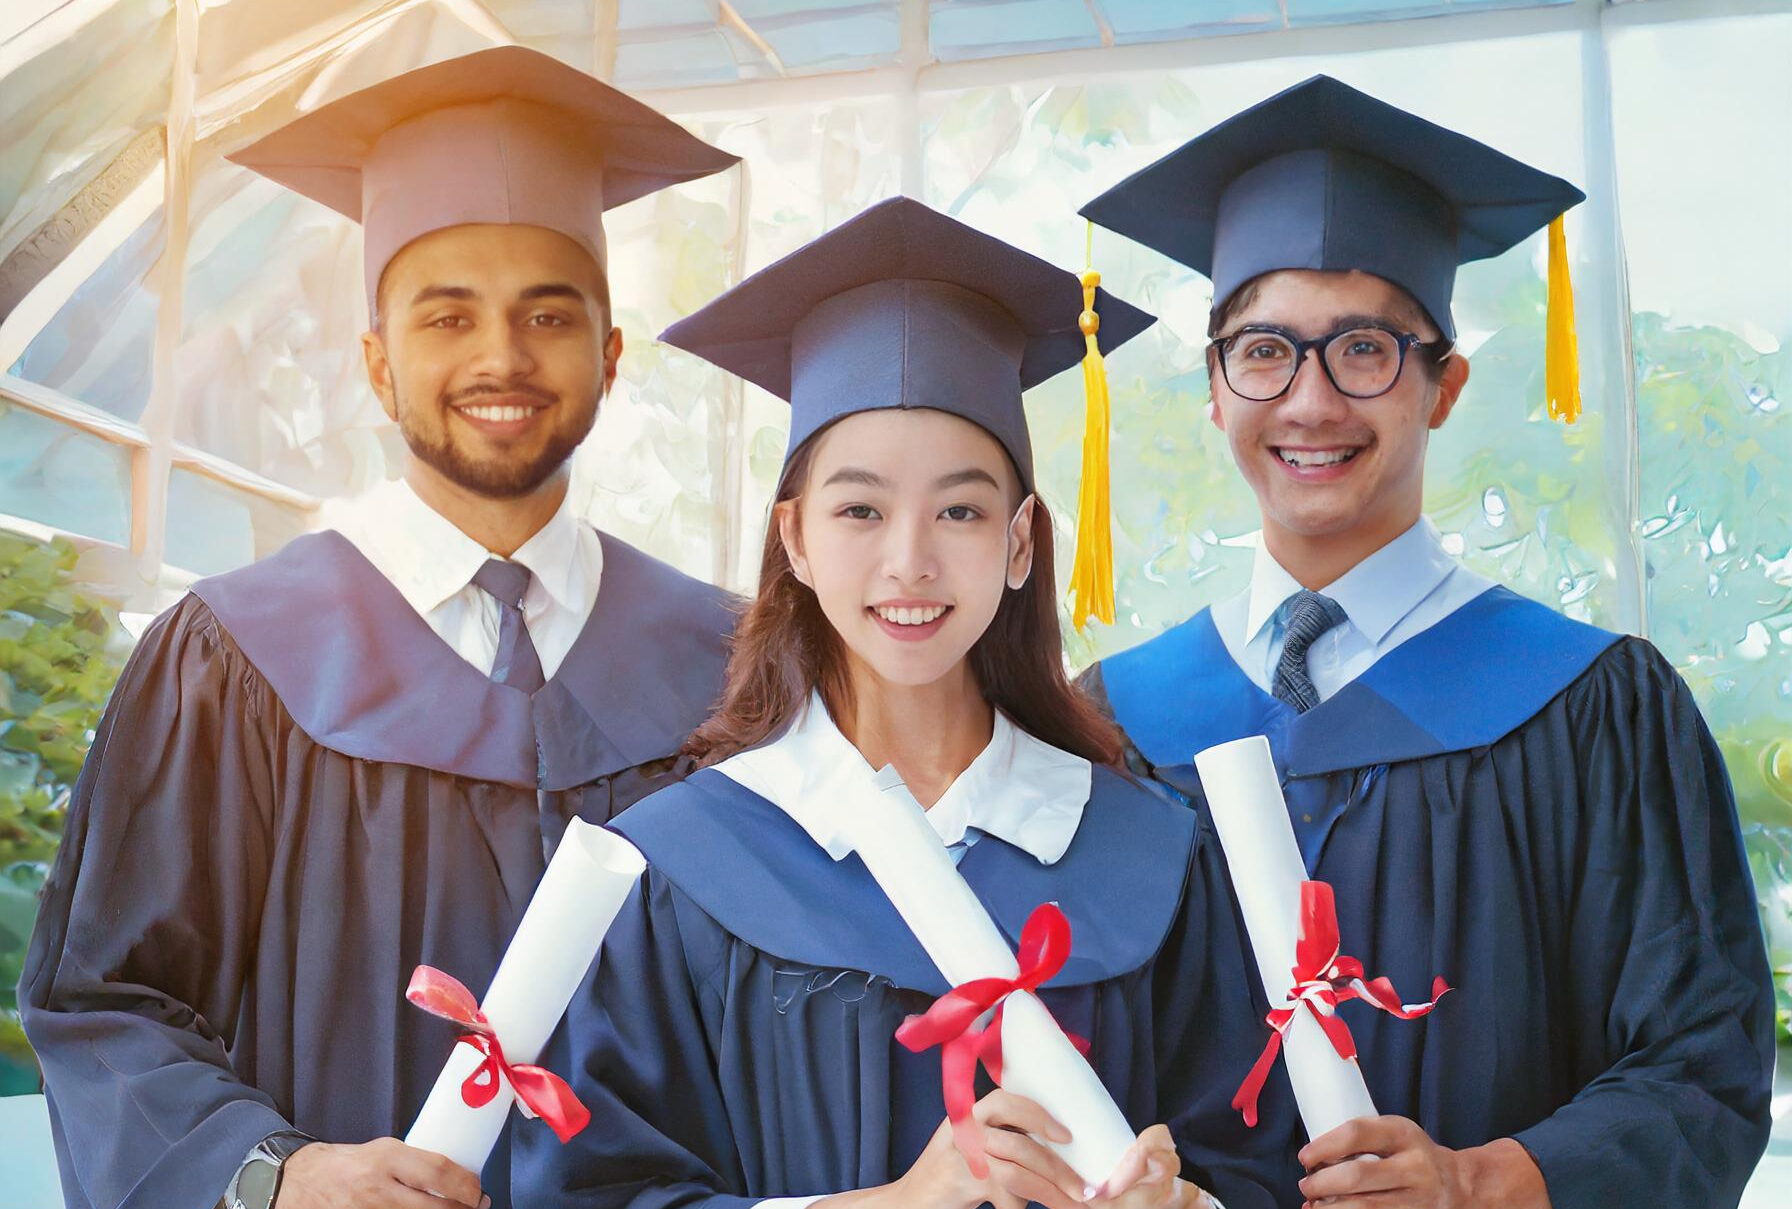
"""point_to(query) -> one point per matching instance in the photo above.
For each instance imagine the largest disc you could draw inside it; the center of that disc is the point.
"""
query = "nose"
(908, 553)
(1311, 398)
(502, 353)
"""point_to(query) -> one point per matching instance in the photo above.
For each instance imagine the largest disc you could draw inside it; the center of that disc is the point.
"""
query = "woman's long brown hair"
(784, 647)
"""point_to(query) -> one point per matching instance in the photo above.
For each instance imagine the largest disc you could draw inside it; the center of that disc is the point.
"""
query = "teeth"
(911, 616)
(497, 413)
(1305, 457)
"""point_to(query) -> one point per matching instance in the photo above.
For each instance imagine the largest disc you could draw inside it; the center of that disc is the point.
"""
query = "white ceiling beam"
(740, 25)
(1099, 62)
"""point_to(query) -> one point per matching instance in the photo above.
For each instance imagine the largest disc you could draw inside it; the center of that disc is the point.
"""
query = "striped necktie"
(1311, 616)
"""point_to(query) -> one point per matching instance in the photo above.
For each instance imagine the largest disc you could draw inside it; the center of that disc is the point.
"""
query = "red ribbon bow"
(539, 1091)
(1324, 978)
(952, 1024)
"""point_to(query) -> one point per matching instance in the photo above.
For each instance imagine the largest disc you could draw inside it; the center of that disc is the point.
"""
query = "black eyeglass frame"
(1437, 350)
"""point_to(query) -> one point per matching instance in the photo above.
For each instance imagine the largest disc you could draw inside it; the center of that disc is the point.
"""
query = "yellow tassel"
(1092, 574)
(1561, 348)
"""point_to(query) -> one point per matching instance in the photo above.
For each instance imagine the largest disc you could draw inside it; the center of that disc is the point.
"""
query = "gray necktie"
(1311, 616)
(517, 663)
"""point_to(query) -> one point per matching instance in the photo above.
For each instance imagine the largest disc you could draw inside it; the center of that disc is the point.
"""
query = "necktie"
(1311, 616)
(517, 664)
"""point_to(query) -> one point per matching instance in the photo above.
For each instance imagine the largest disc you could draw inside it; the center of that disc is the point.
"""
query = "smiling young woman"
(996, 633)
(737, 1039)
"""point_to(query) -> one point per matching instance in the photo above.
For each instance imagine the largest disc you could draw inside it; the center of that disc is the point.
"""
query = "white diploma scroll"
(585, 885)
(905, 855)
(1245, 798)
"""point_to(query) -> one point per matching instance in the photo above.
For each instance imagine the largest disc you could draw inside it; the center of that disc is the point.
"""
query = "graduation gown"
(1533, 809)
(297, 794)
(735, 1040)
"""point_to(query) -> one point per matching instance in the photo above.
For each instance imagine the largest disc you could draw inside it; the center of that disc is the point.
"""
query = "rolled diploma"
(891, 835)
(1244, 796)
(585, 885)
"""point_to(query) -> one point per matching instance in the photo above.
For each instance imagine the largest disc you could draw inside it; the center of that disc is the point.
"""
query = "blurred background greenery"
(60, 652)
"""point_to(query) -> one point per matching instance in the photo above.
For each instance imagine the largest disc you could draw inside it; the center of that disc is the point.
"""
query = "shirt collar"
(421, 551)
(1375, 594)
(1019, 789)
(428, 559)
(553, 557)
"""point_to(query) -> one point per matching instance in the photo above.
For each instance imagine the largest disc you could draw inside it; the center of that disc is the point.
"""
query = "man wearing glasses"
(1529, 807)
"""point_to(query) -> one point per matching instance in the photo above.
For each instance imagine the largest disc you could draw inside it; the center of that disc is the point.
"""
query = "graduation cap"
(903, 307)
(504, 135)
(1321, 176)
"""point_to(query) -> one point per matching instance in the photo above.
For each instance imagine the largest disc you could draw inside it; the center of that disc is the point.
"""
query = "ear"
(790, 532)
(379, 371)
(1214, 412)
(1020, 544)
(612, 357)
(1451, 380)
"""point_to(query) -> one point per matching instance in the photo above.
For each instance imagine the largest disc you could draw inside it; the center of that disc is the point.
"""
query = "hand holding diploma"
(1293, 927)
(584, 887)
(1037, 1060)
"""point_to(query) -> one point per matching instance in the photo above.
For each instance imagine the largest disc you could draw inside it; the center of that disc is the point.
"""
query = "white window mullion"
(149, 472)
(1606, 348)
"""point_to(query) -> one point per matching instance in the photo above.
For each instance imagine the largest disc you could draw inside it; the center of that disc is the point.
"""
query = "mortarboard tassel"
(1092, 572)
(1561, 347)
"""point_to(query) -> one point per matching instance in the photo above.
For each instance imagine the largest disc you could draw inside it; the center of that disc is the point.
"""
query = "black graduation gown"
(1533, 809)
(297, 794)
(736, 1038)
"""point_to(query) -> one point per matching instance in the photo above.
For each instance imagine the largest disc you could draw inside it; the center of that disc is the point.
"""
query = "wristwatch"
(257, 1182)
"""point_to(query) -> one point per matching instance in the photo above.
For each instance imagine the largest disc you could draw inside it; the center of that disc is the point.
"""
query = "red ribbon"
(539, 1091)
(951, 1023)
(1324, 978)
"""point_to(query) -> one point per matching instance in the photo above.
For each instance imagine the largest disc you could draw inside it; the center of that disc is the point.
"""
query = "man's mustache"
(455, 398)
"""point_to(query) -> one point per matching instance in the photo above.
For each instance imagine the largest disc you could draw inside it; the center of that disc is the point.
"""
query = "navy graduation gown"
(297, 794)
(736, 1038)
(1533, 809)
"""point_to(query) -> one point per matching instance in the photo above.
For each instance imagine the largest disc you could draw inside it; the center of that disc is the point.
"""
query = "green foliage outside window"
(60, 653)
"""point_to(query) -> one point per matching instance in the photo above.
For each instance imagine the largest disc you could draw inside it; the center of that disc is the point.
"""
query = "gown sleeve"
(1669, 1001)
(635, 1048)
(134, 980)
(1209, 1032)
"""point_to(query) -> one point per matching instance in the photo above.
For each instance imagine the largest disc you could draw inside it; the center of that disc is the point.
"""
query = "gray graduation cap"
(1321, 176)
(904, 307)
(502, 135)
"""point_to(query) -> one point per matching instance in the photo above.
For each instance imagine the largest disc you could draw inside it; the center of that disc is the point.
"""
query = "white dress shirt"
(1398, 592)
(1020, 789)
(432, 564)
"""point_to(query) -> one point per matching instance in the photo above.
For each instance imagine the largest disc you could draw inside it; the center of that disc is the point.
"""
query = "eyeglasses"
(1259, 362)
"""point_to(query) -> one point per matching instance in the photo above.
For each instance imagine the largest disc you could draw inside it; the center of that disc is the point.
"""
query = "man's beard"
(493, 478)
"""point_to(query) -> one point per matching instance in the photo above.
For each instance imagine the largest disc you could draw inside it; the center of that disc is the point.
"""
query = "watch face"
(255, 1186)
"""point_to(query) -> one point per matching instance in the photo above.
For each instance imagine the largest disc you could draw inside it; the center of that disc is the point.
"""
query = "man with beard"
(355, 757)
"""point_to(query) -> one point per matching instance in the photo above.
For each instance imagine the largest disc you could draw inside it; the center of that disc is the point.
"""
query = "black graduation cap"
(902, 306)
(1321, 176)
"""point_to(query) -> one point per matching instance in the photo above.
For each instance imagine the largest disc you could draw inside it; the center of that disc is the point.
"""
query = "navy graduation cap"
(1322, 176)
(902, 306)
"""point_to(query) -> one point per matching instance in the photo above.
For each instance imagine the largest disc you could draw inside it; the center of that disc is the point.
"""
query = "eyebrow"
(429, 293)
(867, 478)
(852, 474)
(553, 289)
(1339, 323)
(461, 293)
(959, 478)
